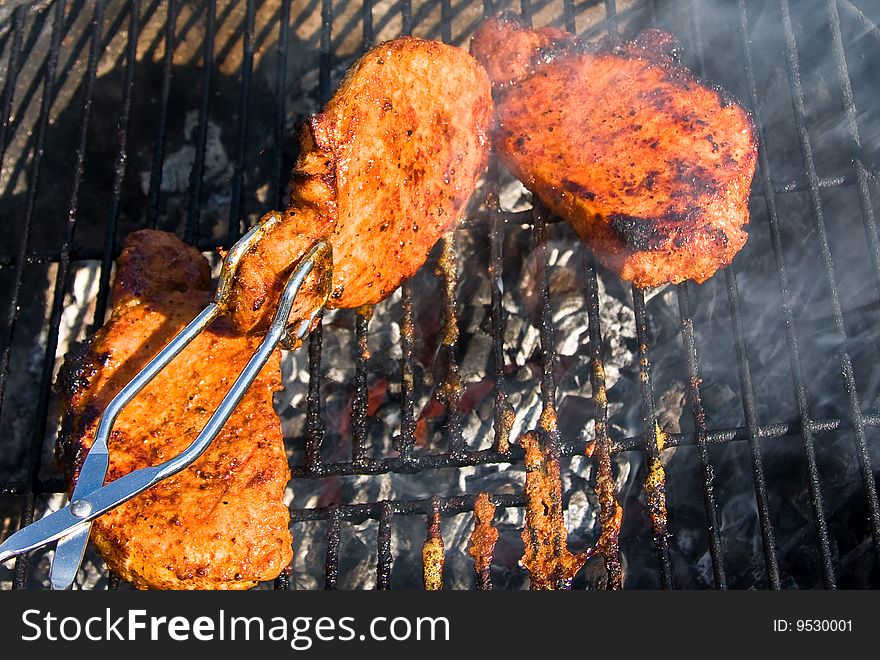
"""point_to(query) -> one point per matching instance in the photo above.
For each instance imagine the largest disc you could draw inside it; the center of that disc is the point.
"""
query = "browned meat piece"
(385, 169)
(551, 565)
(221, 523)
(483, 539)
(651, 167)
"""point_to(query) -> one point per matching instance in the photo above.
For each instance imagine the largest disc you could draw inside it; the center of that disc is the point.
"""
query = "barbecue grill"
(740, 426)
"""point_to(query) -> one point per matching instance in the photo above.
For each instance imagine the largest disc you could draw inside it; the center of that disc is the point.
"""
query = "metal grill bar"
(277, 182)
(13, 65)
(865, 468)
(503, 411)
(383, 543)
(331, 562)
(191, 234)
(800, 392)
(109, 249)
(159, 150)
(33, 458)
(768, 539)
(406, 15)
(247, 64)
(655, 441)
(361, 352)
(775, 431)
(314, 425)
(568, 12)
(358, 513)
(571, 448)
(326, 57)
(707, 482)
(282, 583)
(451, 387)
(42, 407)
(851, 114)
(548, 422)
(611, 16)
(405, 442)
(869, 26)
(692, 361)
(367, 19)
(654, 479)
(359, 446)
(599, 396)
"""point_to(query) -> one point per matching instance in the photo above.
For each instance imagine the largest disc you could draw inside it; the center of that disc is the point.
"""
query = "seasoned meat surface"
(384, 170)
(221, 523)
(650, 166)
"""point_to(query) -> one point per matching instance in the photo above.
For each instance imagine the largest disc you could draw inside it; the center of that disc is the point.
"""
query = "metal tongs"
(91, 498)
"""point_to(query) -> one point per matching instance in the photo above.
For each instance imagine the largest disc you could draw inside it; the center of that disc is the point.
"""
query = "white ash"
(178, 165)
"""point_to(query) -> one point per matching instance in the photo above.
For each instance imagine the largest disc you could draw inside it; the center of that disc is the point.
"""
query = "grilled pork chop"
(221, 523)
(651, 167)
(384, 170)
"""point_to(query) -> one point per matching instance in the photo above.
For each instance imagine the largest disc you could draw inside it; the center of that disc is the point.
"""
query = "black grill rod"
(331, 559)
(109, 248)
(548, 422)
(503, 410)
(367, 20)
(282, 582)
(161, 120)
(358, 513)
(11, 123)
(314, 423)
(406, 16)
(12, 120)
(655, 483)
(573, 447)
(655, 442)
(707, 481)
(61, 273)
(453, 385)
(73, 51)
(360, 351)
(525, 11)
(865, 468)
(13, 64)
(692, 361)
(236, 214)
(191, 233)
(849, 107)
(599, 396)
(278, 181)
(325, 52)
(11, 315)
(360, 400)
(776, 431)
(800, 392)
(405, 442)
(869, 25)
(612, 17)
(568, 13)
(771, 560)
(119, 167)
(383, 543)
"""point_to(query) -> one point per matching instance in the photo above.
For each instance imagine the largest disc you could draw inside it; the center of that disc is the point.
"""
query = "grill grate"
(35, 35)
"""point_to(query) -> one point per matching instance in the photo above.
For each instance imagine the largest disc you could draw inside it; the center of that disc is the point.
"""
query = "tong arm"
(77, 515)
